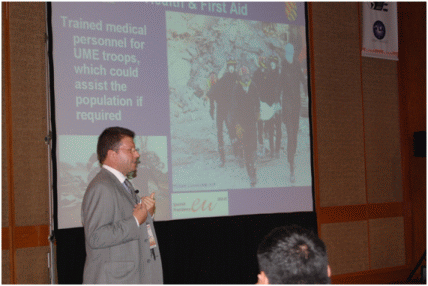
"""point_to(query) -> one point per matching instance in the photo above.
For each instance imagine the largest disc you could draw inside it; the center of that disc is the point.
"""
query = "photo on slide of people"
(238, 103)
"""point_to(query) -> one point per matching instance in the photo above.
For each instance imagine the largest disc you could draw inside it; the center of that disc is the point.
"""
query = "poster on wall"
(217, 94)
(380, 31)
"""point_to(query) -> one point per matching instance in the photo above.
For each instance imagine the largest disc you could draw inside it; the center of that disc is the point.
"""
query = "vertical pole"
(9, 141)
(360, 33)
(48, 141)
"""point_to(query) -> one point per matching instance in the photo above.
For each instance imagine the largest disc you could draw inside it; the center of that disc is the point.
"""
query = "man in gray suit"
(120, 239)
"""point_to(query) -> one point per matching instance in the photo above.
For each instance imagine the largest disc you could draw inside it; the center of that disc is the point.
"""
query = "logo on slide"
(379, 30)
(291, 10)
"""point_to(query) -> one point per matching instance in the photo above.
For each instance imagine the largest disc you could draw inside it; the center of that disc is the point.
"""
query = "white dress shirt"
(121, 179)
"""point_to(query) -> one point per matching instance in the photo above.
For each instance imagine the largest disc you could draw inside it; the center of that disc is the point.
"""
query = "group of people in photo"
(252, 105)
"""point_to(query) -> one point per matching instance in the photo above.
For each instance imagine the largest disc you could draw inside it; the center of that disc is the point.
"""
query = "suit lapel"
(120, 187)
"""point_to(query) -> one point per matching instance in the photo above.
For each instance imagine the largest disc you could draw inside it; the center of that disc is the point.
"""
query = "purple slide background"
(276, 200)
(153, 117)
(272, 12)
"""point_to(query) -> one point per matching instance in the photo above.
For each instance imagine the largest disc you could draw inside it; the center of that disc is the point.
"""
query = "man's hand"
(150, 203)
(140, 212)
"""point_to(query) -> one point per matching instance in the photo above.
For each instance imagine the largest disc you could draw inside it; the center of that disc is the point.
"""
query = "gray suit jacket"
(117, 250)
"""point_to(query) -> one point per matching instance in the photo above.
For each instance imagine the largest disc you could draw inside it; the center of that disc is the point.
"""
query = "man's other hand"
(140, 212)
(150, 203)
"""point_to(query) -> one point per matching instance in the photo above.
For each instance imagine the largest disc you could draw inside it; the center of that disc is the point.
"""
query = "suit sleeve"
(101, 228)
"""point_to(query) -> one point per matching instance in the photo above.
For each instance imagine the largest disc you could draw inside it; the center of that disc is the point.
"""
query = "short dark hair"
(110, 140)
(293, 255)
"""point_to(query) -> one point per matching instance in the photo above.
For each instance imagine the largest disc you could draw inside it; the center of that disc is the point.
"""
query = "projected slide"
(216, 93)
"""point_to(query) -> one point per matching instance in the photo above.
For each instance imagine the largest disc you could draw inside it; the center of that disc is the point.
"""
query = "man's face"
(231, 68)
(273, 65)
(127, 156)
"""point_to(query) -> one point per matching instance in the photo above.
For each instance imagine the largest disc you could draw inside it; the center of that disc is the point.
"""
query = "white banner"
(380, 32)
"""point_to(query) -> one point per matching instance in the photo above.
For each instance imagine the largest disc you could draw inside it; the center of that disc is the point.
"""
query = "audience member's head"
(292, 255)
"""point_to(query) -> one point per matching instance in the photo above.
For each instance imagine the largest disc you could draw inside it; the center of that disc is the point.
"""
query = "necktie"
(131, 190)
(129, 186)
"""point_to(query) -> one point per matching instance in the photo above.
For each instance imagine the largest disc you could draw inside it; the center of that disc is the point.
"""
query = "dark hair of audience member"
(293, 255)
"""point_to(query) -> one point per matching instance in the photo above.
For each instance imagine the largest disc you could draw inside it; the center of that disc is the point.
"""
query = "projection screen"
(209, 146)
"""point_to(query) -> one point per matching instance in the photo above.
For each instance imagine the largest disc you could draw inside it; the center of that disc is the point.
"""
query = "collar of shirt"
(115, 172)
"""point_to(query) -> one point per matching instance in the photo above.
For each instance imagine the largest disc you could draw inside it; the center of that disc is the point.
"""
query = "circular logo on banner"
(291, 10)
(379, 30)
